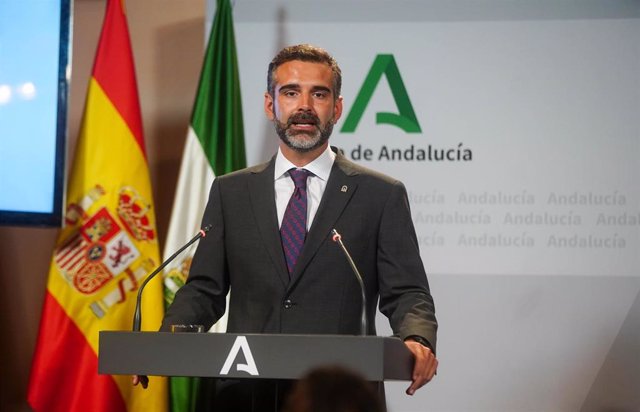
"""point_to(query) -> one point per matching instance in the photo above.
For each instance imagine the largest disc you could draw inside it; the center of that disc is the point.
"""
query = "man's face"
(303, 106)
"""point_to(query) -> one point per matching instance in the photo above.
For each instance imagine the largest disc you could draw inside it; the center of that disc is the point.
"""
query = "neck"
(301, 159)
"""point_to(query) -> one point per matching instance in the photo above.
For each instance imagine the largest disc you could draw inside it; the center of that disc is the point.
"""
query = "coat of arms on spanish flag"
(106, 247)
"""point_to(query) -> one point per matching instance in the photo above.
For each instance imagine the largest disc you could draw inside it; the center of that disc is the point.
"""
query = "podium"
(255, 356)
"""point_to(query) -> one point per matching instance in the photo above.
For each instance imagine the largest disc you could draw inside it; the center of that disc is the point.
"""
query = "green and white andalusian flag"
(214, 146)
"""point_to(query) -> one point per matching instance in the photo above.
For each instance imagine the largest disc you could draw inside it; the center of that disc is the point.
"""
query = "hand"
(425, 366)
(140, 379)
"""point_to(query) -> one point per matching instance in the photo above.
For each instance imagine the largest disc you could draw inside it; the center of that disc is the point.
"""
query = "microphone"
(137, 316)
(363, 317)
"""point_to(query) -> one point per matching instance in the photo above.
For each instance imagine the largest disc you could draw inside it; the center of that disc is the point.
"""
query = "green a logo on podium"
(405, 119)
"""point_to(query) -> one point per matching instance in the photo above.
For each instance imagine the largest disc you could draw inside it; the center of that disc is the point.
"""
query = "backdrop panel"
(515, 128)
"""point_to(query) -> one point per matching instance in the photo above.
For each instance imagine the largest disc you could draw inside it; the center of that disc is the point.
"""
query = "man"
(271, 236)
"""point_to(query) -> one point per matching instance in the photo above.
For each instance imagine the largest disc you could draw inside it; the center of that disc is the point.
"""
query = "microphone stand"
(363, 316)
(137, 316)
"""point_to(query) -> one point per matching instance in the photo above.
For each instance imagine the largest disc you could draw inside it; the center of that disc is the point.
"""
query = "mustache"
(303, 117)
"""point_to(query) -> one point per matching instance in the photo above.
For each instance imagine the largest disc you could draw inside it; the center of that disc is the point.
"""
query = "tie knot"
(299, 177)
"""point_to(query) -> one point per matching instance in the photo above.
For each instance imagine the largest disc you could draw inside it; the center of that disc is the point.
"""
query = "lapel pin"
(343, 189)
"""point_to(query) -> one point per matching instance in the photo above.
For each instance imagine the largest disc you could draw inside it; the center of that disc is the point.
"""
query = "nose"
(305, 102)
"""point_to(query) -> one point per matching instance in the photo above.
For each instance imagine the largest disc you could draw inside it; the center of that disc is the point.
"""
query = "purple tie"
(294, 223)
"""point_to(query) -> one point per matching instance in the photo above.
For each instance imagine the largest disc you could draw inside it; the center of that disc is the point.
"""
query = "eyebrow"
(290, 86)
(321, 88)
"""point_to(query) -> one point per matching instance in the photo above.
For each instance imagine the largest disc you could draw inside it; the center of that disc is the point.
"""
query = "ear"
(337, 109)
(268, 106)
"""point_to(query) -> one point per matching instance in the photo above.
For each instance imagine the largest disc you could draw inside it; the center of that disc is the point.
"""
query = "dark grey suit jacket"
(243, 251)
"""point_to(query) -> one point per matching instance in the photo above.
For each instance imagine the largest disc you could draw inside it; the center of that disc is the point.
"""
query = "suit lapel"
(340, 187)
(264, 208)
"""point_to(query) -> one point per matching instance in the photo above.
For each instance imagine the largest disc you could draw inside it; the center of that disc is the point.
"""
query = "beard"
(303, 141)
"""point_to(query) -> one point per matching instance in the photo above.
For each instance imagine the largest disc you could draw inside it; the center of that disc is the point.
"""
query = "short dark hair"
(305, 53)
(333, 389)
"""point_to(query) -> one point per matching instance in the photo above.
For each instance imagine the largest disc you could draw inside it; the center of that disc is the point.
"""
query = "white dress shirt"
(316, 183)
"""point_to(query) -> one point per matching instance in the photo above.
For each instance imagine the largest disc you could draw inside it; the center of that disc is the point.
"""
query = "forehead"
(304, 74)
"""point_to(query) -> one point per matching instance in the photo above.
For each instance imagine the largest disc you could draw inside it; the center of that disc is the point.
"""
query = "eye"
(290, 93)
(321, 94)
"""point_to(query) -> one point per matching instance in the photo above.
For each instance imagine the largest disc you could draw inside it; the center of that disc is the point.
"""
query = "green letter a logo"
(406, 119)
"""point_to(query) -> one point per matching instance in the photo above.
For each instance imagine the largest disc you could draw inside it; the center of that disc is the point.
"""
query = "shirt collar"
(320, 166)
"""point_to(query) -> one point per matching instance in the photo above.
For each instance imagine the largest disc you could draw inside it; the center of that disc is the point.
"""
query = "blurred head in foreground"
(333, 389)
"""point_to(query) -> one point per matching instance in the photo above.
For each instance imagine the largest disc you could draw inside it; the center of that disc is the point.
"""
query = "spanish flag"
(108, 245)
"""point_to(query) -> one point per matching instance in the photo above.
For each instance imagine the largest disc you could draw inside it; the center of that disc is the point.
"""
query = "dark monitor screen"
(34, 80)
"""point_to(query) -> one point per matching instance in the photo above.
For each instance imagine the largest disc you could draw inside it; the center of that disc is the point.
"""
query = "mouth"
(303, 122)
(303, 126)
